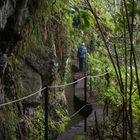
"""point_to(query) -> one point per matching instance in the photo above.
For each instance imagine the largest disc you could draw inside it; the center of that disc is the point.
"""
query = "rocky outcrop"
(36, 52)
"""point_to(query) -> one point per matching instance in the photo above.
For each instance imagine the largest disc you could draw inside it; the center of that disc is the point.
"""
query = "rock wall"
(33, 53)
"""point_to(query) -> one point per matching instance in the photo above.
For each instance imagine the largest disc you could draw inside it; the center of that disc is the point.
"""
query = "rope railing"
(54, 86)
(68, 84)
(75, 113)
(23, 98)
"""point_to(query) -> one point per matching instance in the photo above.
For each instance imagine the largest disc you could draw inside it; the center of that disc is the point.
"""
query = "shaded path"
(79, 93)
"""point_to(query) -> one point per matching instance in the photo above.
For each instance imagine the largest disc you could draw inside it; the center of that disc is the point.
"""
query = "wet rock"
(6, 10)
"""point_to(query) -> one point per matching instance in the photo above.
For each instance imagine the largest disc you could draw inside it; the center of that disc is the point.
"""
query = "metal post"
(90, 81)
(85, 94)
(91, 49)
(46, 113)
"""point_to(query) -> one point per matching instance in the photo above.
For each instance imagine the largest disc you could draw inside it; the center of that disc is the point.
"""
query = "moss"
(35, 126)
(9, 123)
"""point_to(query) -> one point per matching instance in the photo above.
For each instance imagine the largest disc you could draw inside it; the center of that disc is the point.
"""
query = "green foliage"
(83, 20)
(57, 126)
(80, 137)
(76, 24)
(36, 126)
(9, 123)
(82, 27)
(109, 89)
(101, 87)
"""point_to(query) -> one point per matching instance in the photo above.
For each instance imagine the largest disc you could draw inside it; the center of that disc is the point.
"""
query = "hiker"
(81, 54)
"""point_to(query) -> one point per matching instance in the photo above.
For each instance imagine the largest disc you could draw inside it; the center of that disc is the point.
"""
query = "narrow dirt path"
(79, 93)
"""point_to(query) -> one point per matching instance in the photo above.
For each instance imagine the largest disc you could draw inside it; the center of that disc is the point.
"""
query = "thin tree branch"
(104, 40)
(119, 70)
(126, 77)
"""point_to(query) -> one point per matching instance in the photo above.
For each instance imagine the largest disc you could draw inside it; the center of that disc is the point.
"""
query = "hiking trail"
(79, 94)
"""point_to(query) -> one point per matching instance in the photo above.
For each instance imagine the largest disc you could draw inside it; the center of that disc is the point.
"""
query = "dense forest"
(39, 40)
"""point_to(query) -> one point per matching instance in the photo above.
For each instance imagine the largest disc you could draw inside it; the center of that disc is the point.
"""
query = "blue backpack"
(81, 51)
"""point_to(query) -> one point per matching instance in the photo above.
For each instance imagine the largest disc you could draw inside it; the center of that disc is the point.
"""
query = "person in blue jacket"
(81, 54)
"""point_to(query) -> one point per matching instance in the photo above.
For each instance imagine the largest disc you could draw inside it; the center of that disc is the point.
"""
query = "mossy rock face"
(29, 82)
(39, 60)
(8, 123)
(37, 54)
